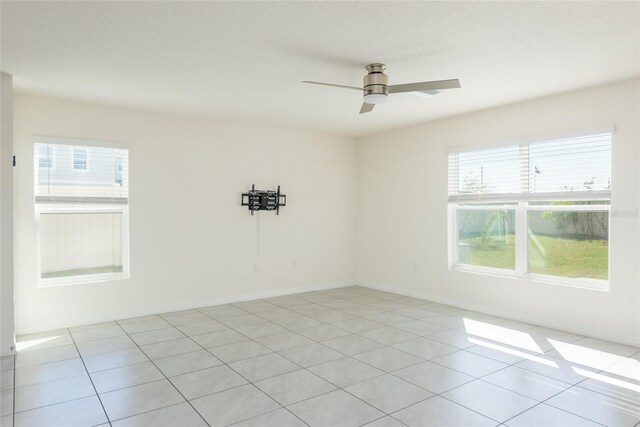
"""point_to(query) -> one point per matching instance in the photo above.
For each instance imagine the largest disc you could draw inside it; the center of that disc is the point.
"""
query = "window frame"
(522, 244)
(522, 204)
(454, 259)
(81, 206)
(583, 282)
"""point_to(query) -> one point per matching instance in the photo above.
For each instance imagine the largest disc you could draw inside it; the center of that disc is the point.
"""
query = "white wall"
(190, 241)
(192, 244)
(402, 212)
(7, 337)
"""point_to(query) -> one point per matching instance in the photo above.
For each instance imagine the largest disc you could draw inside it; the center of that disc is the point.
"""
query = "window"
(538, 210)
(82, 219)
(45, 159)
(80, 158)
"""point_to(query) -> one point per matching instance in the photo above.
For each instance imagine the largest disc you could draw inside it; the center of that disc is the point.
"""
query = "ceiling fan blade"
(425, 86)
(366, 108)
(331, 84)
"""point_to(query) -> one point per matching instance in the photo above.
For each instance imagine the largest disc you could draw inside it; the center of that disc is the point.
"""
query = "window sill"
(589, 284)
(81, 280)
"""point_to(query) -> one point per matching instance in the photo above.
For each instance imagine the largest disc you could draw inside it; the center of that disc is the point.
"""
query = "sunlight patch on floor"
(513, 352)
(608, 380)
(500, 334)
(24, 345)
(586, 356)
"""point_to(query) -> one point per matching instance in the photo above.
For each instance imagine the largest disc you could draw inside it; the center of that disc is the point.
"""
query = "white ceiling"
(245, 60)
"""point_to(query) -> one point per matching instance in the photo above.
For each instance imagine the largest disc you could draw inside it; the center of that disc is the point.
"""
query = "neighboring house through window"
(45, 158)
(80, 158)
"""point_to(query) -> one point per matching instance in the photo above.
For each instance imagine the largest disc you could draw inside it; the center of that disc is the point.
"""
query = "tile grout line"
(151, 410)
(242, 376)
(321, 342)
(160, 358)
(496, 385)
(560, 409)
(266, 413)
(165, 377)
(226, 327)
(387, 325)
(251, 339)
(53, 361)
(59, 379)
(481, 379)
(383, 411)
(77, 375)
(439, 394)
(45, 382)
(301, 367)
(468, 382)
(59, 403)
(90, 379)
(385, 414)
(347, 356)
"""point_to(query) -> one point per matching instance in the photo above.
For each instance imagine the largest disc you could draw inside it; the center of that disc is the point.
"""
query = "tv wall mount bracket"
(263, 200)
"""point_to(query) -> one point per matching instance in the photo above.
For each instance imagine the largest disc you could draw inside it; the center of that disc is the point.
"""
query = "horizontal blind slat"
(575, 167)
(83, 200)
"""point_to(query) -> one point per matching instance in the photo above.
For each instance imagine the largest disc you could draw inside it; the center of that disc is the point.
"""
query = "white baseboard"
(569, 327)
(184, 306)
(576, 329)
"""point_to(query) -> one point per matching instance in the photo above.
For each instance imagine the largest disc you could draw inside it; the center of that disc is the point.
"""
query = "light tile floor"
(343, 357)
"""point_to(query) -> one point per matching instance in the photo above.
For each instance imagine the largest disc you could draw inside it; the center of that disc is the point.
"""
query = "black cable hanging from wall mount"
(263, 200)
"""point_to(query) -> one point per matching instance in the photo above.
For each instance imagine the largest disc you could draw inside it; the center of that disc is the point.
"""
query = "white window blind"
(577, 168)
(69, 173)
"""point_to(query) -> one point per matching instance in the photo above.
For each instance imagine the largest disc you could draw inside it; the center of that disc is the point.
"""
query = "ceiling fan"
(376, 90)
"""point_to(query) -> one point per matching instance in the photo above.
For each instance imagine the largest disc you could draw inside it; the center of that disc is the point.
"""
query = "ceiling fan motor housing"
(375, 82)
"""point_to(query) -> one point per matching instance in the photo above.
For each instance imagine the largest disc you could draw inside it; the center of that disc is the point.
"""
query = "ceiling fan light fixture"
(375, 98)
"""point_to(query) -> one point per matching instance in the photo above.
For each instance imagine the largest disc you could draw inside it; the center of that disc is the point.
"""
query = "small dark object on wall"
(264, 200)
